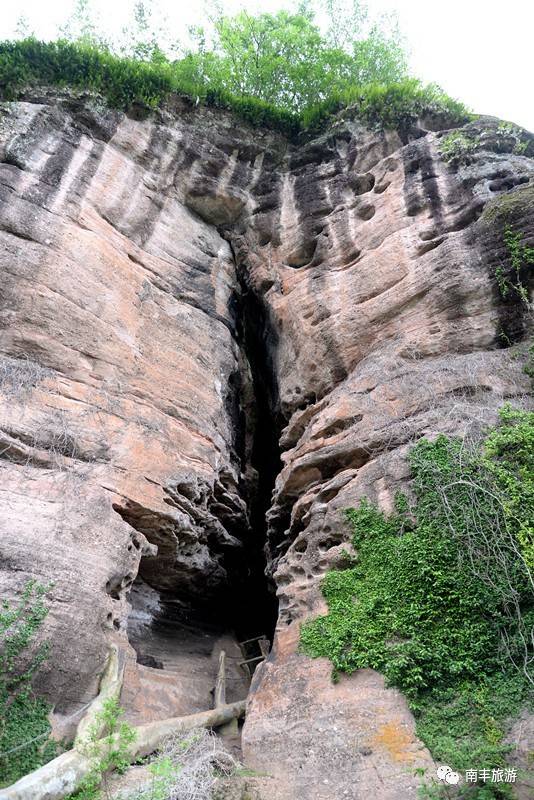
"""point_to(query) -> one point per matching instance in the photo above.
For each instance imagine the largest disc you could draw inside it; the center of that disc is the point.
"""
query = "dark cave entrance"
(177, 625)
(178, 636)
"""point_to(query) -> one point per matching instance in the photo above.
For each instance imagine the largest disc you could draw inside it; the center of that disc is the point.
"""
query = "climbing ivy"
(440, 598)
(24, 725)
(509, 460)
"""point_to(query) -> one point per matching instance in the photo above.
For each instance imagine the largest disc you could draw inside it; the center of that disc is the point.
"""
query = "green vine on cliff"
(513, 278)
(441, 600)
(24, 725)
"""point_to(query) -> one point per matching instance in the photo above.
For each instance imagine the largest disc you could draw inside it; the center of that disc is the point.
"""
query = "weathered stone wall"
(132, 250)
(120, 372)
(377, 266)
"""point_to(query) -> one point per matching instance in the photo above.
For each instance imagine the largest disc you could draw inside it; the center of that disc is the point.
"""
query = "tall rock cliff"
(212, 341)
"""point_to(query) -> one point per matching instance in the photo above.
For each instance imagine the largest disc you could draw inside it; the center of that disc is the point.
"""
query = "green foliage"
(509, 459)
(164, 774)
(284, 59)
(513, 132)
(107, 746)
(276, 57)
(24, 725)
(514, 277)
(386, 105)
(441, 598)
(458, 147)
(464, 725)
(121, 81)
(274, 70)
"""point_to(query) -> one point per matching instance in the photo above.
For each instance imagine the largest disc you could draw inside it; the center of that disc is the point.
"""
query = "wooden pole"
(62, 776)
(220, 686)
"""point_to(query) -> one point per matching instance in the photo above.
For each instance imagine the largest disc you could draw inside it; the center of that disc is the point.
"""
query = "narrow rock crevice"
(263, 421)
(182, 608)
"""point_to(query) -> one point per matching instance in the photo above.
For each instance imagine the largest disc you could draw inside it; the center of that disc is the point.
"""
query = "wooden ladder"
(259, 643)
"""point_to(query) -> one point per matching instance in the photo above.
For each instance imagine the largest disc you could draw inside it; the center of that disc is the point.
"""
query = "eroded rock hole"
(178, 631)
(179, 624)
(182, 638)
(366, 212)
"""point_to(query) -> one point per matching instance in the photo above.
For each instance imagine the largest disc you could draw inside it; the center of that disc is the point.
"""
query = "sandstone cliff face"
(191, 309)
(121, 375)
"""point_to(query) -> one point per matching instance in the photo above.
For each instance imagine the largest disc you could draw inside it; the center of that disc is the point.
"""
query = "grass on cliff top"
(124, 82)
(440, 597)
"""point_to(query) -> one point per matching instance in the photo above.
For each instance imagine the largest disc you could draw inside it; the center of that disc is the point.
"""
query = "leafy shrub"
(441, 598)
(458, 147)
(514, 278)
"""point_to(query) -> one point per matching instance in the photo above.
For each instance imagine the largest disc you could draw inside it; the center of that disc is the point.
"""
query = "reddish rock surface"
(179, 293)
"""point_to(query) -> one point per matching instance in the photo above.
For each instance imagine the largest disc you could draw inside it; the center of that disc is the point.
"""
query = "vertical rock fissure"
(164, 621)
(257, 340)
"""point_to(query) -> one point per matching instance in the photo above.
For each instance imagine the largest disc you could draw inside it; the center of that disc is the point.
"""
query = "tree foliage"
(286, 60)
(283, 69)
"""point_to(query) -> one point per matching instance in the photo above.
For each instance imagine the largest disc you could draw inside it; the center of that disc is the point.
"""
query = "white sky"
(480, 51)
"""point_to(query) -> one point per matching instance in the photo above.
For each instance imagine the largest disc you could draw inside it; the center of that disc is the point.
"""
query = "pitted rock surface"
(138, 255)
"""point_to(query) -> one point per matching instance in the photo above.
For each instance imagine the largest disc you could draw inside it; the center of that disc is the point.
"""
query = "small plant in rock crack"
(107, 746)
(24, 725)
(515, 134)
(457, 148)
(513, 278)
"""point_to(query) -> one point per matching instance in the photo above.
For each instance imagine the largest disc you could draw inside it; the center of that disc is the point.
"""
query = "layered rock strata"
(191, 308)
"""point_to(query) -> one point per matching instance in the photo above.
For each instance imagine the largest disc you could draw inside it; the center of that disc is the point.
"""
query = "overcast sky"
(479, 51)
